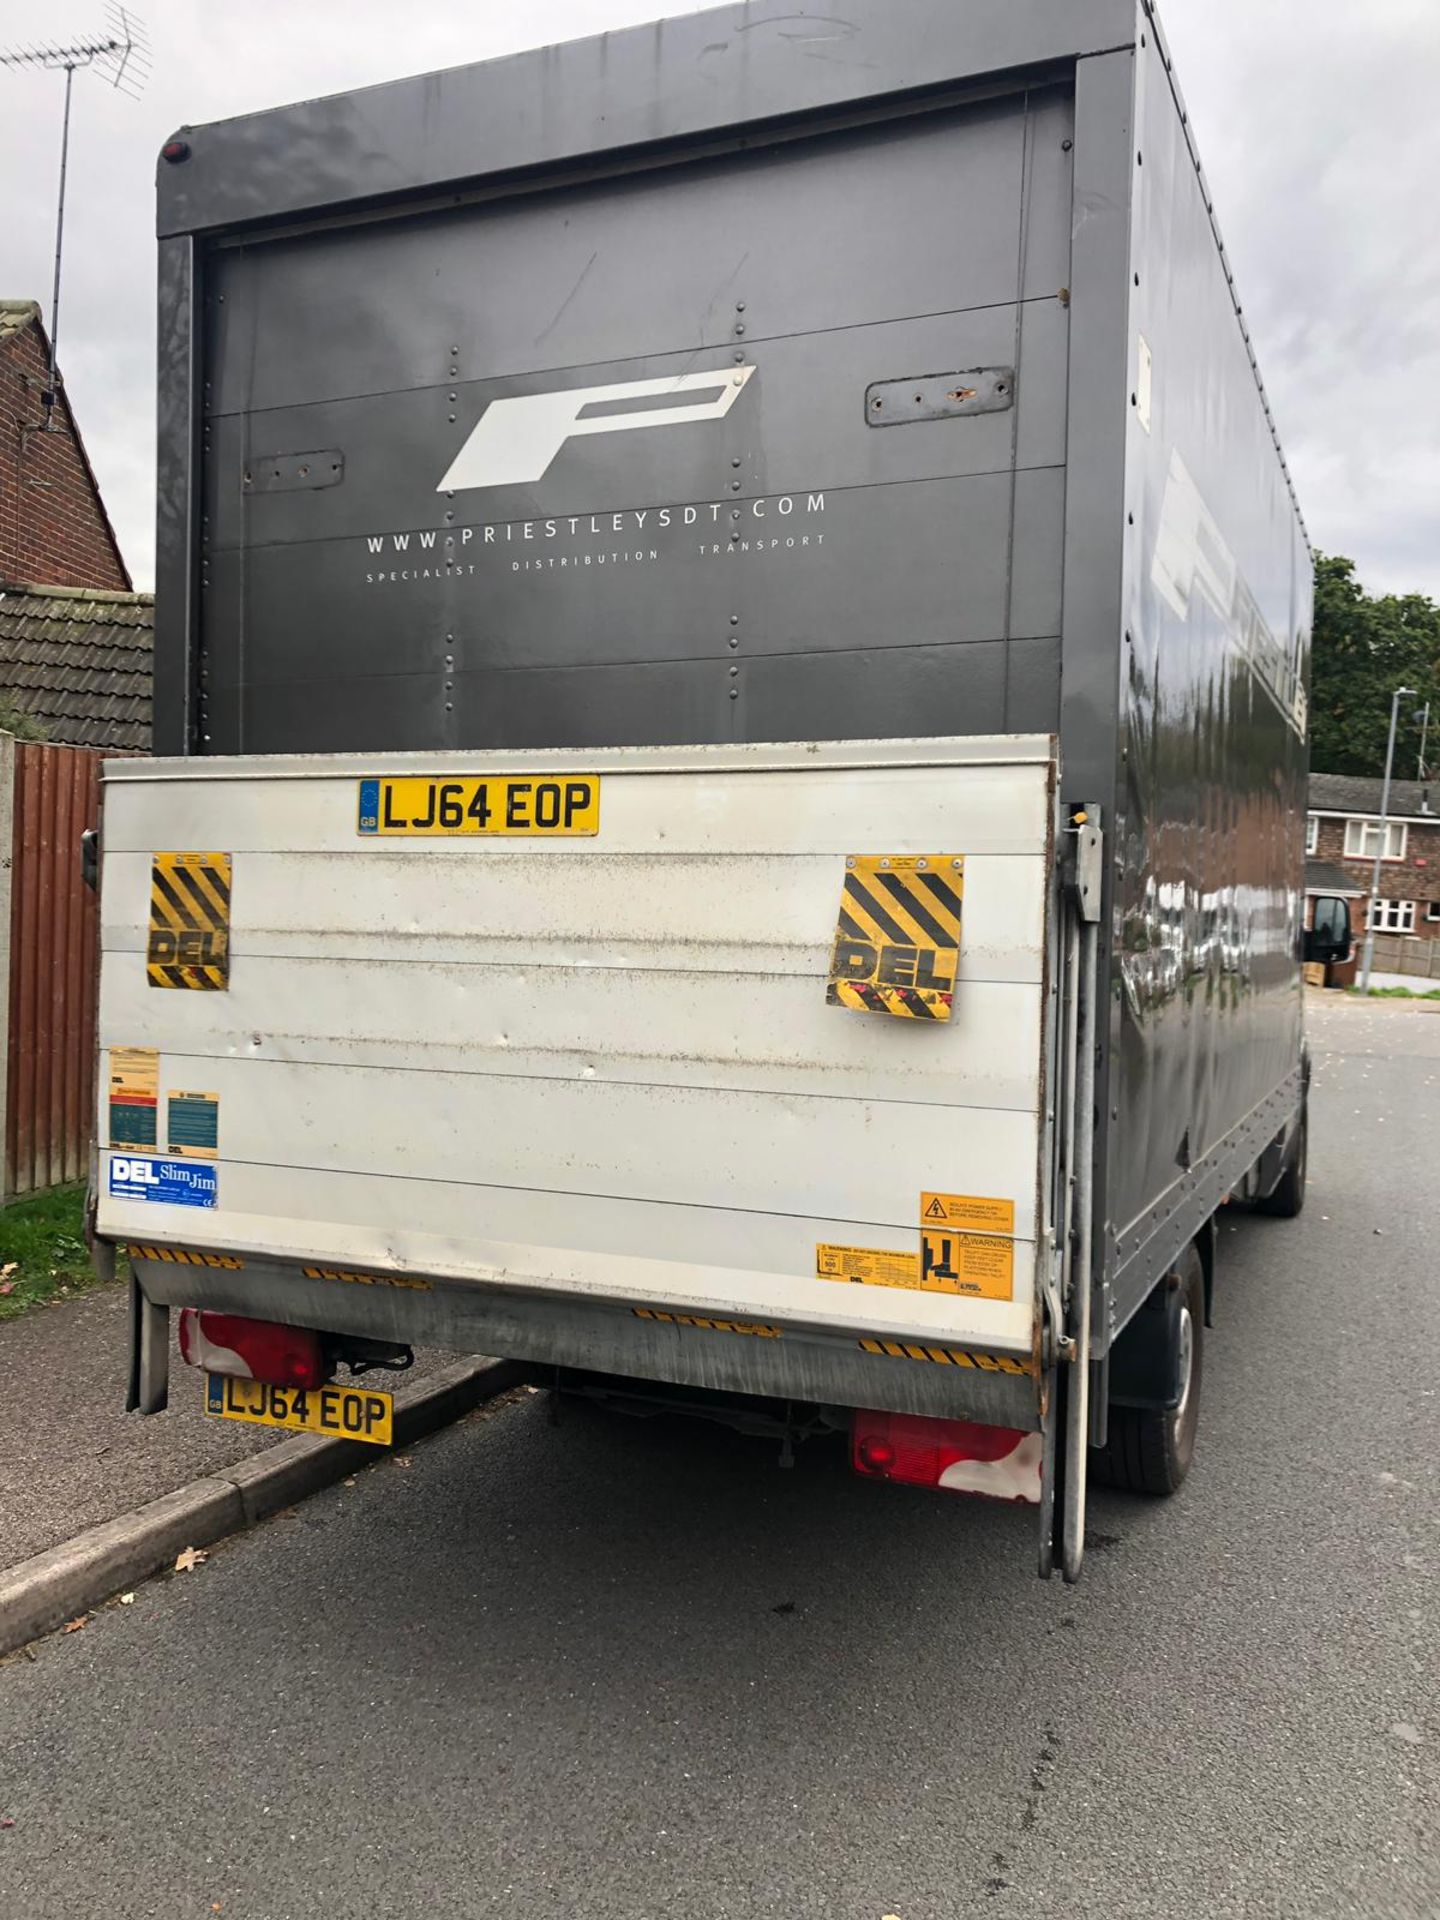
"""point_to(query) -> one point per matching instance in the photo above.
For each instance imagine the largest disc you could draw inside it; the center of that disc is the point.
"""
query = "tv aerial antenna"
(120, 55)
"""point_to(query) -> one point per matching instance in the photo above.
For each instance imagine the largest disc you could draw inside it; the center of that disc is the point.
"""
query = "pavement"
(70, 1456)
(620, 1668)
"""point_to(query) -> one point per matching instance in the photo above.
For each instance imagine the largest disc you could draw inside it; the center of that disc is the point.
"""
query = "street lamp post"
(1400, 693)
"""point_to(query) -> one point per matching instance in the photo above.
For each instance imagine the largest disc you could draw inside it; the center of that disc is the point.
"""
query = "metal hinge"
(1084, 863)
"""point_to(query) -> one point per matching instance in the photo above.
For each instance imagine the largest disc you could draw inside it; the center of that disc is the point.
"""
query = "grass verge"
(1396, 993)
(43, 1255)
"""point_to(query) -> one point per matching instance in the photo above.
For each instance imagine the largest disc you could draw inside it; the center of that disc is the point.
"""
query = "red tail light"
(265, 1350)
(960, 1456)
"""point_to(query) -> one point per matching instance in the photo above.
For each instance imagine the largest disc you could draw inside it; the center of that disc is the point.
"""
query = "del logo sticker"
(897, 937)
(188, 943)
(173, 1183)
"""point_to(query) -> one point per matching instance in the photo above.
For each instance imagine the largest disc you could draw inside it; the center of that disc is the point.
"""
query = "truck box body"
(612, 412)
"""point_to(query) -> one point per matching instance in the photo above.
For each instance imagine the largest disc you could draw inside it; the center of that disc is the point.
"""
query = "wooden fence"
(1395, 954)
(49, 963)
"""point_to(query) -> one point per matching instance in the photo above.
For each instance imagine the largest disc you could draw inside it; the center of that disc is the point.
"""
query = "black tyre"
(1289, 1195)
(1146, 1450)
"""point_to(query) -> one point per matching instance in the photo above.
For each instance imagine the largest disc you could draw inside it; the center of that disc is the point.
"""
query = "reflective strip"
(947, 1356)
(761, 1332)
(187, 1257)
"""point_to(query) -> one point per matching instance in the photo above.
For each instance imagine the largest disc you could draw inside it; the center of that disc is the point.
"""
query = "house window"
(1362, 840)
(1432, 910)
(1392, 916)
(1312, 832)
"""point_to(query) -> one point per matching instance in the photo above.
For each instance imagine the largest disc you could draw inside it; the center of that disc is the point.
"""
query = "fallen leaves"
(74, 1626)
(7, 1285)
(189, 1559)
(399, 1459)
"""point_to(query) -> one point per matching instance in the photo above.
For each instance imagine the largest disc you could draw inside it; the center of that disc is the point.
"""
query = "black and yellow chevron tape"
(405, 1280)
(946, 1356)
(755, 1327)
(188, 1257)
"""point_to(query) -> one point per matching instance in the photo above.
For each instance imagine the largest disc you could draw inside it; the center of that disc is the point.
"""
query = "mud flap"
(148, 1391)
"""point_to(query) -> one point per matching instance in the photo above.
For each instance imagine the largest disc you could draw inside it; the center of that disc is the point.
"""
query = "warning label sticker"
(968, 1212)
(979, 1264)
(134, 1095)
(868, 1266)
(194, 1125)
(897, 937)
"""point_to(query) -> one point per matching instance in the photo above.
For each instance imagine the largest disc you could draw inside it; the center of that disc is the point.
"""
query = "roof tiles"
(79, 661)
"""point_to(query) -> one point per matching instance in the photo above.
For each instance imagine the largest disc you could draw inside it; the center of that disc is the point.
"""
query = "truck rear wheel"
(1149, 1449)
(1288, 1196)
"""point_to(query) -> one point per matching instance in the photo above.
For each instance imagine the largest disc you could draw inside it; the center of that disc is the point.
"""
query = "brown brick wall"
(1416, 877)
(53, 531)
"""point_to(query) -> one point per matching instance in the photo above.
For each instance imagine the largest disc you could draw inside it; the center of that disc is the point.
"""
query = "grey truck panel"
(689, 79)
(771, 568)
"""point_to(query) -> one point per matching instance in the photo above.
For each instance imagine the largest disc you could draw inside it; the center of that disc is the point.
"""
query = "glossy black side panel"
(1095, 506)
(177, 501)
(1207, 1012)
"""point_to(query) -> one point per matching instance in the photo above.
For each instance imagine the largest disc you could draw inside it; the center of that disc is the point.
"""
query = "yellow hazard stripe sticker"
(758, 1329)
(188, 941)
(188, 1257)
(897, 935)
(945, 1356)
(367, 1279)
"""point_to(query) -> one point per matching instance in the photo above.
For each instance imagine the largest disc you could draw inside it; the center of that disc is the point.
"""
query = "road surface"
(618, 1670)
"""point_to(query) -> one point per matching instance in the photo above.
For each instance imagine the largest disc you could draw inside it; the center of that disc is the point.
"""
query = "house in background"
(75, 639)
(1343, 832)
(54, 529)
(77, 662)
(75, 683)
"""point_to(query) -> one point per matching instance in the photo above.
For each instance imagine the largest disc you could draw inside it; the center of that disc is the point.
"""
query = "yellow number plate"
(481, 804)
(346, 1413)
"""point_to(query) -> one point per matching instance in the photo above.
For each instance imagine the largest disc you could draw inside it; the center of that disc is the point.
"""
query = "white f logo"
(516, 440)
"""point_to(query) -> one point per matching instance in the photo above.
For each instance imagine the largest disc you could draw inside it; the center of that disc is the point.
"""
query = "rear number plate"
(348, 1413)
(481, 804)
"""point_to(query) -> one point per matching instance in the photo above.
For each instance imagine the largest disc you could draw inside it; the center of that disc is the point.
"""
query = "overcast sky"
(1316, 120)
